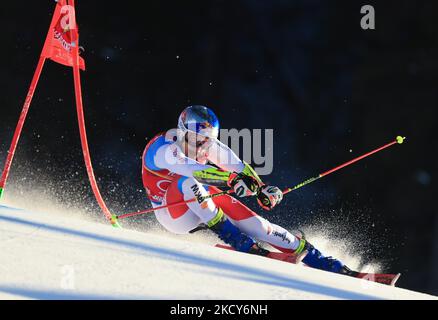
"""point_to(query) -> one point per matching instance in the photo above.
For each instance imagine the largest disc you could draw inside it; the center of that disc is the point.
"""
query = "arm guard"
(219, 178)
(212, 176)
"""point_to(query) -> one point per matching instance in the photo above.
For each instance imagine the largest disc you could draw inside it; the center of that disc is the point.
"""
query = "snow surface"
(54, 256)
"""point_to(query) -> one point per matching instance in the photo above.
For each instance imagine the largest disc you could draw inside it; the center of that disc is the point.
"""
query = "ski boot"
(232, 235)
(315, 259)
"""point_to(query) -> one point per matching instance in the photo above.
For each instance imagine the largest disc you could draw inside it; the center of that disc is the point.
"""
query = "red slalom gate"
(61, 46)
(82, 130)
(20, 124)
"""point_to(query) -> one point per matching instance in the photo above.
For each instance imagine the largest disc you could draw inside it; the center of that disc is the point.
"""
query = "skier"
(190, 162)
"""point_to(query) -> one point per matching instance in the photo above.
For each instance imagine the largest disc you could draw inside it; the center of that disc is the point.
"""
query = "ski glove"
(269, 196)
(243, 185)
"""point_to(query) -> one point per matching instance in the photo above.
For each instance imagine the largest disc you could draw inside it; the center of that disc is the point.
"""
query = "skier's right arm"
(244, 183)
(234, 172)
(242, 177)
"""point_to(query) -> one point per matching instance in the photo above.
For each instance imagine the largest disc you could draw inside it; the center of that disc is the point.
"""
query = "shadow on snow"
(251, 274)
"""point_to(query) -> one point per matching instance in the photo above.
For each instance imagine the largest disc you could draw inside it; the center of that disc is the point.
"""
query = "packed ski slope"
(50, 256)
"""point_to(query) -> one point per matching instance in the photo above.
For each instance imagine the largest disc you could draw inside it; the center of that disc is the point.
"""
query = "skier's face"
(197, 144)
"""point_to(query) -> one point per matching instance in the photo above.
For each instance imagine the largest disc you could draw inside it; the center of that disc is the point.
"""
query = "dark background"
(329, 89)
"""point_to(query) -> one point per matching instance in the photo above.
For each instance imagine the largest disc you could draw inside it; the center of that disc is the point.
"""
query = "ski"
(286, 257)
(383, 278)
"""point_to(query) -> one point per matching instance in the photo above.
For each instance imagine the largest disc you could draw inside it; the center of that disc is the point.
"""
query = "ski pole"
(127, 215)
(398, 140)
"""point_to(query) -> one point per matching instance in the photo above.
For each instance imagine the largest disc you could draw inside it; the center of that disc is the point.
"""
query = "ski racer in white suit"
(190, 162)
